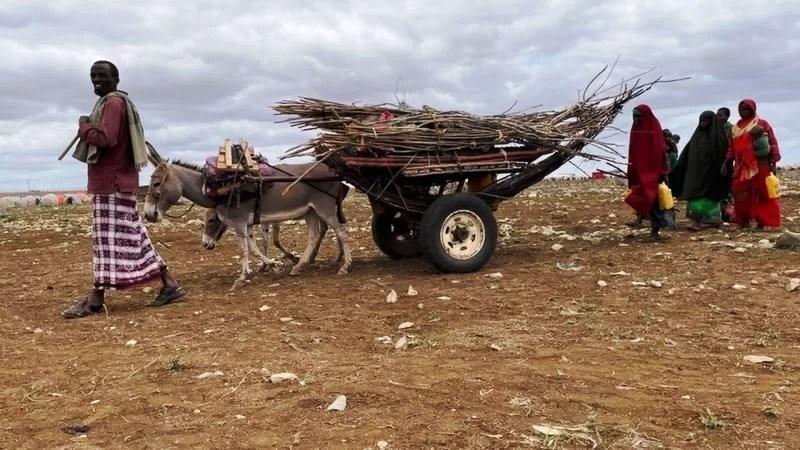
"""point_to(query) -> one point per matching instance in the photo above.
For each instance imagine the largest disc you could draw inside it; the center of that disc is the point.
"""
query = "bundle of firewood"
(413, 139)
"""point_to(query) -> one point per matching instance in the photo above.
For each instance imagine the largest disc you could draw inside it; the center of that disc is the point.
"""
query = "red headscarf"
(742, 144)
(646, 161)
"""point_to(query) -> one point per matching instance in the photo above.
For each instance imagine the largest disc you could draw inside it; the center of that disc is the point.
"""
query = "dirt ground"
(608, 341)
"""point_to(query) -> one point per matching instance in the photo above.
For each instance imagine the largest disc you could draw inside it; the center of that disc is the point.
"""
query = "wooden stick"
(64, 153)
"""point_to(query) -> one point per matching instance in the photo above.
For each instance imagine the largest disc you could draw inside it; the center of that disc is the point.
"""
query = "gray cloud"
(202, 71)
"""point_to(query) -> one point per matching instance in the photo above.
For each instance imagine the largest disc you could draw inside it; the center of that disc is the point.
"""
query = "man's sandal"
(81, 309)
(167, 295)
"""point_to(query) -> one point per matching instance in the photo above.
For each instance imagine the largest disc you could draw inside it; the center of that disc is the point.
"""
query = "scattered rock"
(405, 325)
(759, 359)
(401, 344)
(384, 340)
(391, 297)
(569, 267)
(788, 241)
(286, 319)
(147, 289)
(495, 347)
(338, 405)
(131, 343)
(205, 375)
(740, 250)
(639, 284)
(411, 291)
(240, 417)
(765, 244)
(264, 308)
(495, 275)
(601, 283)
(443, 298)
(621, 273)
(282, 377)
(655, 284)
(38, 331)
(792, 286)
(557, 247)
(382, 445)
(739, 287)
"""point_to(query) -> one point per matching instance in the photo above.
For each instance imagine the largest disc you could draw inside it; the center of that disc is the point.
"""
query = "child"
(760, 142)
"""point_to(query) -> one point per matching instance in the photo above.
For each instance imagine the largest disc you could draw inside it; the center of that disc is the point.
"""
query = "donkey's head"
(212, 229)
(164, 191)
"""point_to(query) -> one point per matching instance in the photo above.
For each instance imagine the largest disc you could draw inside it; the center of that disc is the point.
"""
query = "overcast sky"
(201, 71)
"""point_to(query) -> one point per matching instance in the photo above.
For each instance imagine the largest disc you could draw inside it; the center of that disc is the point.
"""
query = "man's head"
(676, 138)
(724, 114)
(105, 77)
(667, 135)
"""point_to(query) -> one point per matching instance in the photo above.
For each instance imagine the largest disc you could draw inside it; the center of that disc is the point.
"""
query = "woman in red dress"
(751, 200)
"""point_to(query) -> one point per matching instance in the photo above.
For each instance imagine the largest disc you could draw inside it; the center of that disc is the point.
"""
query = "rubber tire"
(431, 225)
(384, 237)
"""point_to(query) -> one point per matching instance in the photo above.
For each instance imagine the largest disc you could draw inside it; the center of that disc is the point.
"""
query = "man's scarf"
(89, 154)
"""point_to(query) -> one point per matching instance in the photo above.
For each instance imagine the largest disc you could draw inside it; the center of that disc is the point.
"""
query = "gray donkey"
(314, 201)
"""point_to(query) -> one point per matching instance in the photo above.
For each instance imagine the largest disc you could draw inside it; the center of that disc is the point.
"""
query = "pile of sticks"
(388, 150)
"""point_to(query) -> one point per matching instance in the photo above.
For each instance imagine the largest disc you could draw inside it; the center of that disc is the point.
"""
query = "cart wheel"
(394, 235)
(458, 233)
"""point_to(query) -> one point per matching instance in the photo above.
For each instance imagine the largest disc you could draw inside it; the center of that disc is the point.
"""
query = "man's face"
(102, 80)
(744, 111)
(723, 116)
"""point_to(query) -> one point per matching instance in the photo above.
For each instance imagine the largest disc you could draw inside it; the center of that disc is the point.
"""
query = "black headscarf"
(697, 173)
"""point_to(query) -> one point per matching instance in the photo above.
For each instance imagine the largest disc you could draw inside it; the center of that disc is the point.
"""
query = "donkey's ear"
(153, 155)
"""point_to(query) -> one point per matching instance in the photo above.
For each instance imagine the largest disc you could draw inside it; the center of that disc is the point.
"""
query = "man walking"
(112, 144)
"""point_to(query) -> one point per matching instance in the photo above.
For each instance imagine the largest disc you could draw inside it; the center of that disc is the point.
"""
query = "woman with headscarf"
(647, 167)
(696, 177)
(751, 200)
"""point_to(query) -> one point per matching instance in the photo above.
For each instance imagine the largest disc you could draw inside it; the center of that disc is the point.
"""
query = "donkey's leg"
(265, 261)
(340, 230)
(242, 233)
(312, 219)
(313, 237)
(276, 240)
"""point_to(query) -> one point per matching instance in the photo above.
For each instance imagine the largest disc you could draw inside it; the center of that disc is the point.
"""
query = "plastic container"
(665, 200)
(773, 186)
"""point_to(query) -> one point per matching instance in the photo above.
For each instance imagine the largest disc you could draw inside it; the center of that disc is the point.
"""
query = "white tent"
(28, 201)
(49, 200)
(9, 202)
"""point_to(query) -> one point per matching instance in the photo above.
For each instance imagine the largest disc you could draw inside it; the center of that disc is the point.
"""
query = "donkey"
(214, 228)
(171, 181)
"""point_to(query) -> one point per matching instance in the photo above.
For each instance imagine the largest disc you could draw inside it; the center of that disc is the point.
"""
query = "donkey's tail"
(339, 200)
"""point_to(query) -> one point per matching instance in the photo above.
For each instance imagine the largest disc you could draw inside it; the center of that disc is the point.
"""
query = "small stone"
(411, 291)
(205, 375)
(557, 247)
(286, 319)
(196, 411)
(131, 343)
(639, 284)
(765, 244)
(38, 331)
(495, 275)
(601, 283)
(382, 445)
(739, 287)
(391, 297)
(282, 377)
(401, 343)
(240, 417)
(495, 347)
(264, 308)
(655, 284)
(740, 250)
(338, 405)
(443, 298)
(612, 216)
(147, 289)
(621, 273)
(792, 286)
(405, 325)
(94, 402)
(788, 241)
(759, 359)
